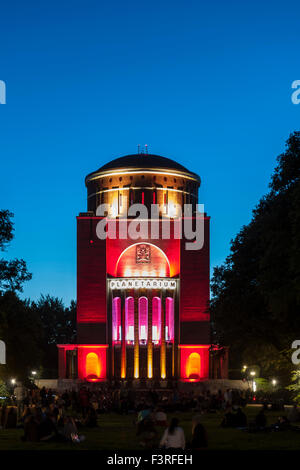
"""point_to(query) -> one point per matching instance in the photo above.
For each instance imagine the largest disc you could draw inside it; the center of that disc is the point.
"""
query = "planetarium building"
(142, 301)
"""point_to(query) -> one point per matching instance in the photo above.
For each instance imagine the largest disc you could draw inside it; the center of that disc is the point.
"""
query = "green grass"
(117, 432)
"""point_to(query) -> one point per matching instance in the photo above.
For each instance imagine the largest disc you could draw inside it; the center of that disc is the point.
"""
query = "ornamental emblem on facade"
(143, 254)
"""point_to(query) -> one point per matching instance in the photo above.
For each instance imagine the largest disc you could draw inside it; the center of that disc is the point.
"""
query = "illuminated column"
(110, 340)
(163, 336)
(150, 345)
(110, 355)
(136, 353)
(123, 341)
(174, 345)
(176, 332)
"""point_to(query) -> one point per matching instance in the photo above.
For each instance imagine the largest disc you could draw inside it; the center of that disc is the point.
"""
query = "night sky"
(205, 83)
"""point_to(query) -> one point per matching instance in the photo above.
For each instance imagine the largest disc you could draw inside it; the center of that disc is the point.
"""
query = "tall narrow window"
(129, 319)
(143, 319)
(169, 332)
(116, 319)
(156, 320)
(143, 197)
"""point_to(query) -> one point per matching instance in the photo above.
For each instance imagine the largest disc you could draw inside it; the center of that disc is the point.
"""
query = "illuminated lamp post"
(33, 375)
(252, 373)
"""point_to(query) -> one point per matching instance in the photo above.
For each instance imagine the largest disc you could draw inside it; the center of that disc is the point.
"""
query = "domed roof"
(143, 161)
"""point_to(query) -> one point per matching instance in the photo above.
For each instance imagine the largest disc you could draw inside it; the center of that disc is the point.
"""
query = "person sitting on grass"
(147, 432)
(70, 432)
(282, 424)
(173, 437)
(11, 420)
(47, 430)
(199, 435)
(161, 418)
(91, 418)
(240, 419)
(294, 415)
(229, 419)
(260, 419)
(30, 429)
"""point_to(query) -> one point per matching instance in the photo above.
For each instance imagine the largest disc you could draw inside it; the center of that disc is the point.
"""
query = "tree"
(58, 326)
(31, 330)
(6, 228)
(256, 292)
(294, 387)
(20, 329)
(13, 273)
(3, 389)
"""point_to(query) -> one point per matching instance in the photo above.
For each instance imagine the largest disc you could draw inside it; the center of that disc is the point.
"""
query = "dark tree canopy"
(20, 328)
(31, 330)
(256, 292)
(6, 228)
(13, 273)
(58, 326)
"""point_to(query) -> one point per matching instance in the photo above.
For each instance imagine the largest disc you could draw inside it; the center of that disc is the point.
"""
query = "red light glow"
(92, 362)
(194, 362)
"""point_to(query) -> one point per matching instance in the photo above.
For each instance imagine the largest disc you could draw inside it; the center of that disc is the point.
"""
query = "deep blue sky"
(205, 83)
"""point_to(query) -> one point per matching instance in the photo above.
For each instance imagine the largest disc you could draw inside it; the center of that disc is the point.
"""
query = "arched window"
(129, 319)
(143, 320)
(169, 319)
(92, 365)
(155, 265)
(116, 319)
(193, 366)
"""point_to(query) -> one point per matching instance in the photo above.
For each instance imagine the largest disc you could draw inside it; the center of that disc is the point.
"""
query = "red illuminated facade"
(142, 304)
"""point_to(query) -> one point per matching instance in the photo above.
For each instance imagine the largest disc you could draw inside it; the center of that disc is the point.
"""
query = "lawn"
(117, 432)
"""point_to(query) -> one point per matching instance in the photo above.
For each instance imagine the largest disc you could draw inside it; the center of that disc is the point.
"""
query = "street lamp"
(13, 381)
(274, 382)
(252, 373)
(33, 372)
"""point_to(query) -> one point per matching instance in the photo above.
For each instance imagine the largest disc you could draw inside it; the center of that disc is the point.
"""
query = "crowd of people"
(46, 415)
